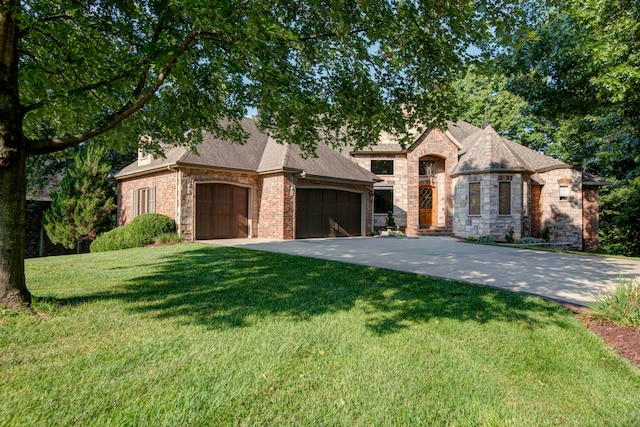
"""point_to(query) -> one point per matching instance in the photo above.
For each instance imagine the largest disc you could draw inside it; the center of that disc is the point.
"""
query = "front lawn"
(200, 335)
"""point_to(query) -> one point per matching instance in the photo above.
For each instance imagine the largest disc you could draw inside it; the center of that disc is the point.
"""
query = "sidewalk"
(577, 279)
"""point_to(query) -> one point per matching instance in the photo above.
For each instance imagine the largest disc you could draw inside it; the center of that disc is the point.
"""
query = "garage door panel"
(327, 213)
(221, 211)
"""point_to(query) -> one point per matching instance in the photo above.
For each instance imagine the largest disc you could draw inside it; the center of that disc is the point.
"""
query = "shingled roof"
(486, 151)
(387, 143)
(260, 154)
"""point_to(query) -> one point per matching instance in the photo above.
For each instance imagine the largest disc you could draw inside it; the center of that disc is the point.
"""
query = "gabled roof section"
(460, 130)
(487, 151)
(456, 132)
(260, 154)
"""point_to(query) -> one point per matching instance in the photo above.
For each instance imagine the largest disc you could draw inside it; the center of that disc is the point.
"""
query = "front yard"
(199, 335)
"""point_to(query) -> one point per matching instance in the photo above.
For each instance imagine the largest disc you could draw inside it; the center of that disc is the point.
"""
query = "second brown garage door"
(221, 211)
(328, 213)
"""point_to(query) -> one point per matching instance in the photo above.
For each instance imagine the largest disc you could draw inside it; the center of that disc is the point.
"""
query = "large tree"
(71, 70)
(579, 67)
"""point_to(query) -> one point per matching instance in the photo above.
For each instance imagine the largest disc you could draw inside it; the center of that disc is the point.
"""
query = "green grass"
(199, 335)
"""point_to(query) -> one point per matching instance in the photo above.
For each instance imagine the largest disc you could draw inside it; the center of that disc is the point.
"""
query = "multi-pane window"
(382, 200)
(564, 192)
(474, 198)
(504, 196)
(382, 167)
(427, 167)
(144, 201)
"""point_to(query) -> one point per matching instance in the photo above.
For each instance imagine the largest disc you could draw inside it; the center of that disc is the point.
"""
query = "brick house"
(463, 180)
(469, 181)
(257, 189)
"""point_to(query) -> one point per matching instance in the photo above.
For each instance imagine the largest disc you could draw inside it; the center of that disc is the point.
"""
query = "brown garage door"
(327, 213)
(221, 211)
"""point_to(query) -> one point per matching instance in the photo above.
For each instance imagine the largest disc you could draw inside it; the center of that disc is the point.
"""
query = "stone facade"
(489, 221)
(406, 180)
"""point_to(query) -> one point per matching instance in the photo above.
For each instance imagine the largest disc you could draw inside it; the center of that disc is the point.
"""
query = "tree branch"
(43, 146)
(78, 90)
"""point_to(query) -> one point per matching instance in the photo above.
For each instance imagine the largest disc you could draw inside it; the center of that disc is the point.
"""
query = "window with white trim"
(564, 192)
(144, 201)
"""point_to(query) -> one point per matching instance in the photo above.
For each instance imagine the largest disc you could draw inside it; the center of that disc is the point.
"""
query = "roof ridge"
(507, 143)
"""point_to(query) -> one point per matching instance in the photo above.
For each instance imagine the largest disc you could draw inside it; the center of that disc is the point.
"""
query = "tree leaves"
(343, 67)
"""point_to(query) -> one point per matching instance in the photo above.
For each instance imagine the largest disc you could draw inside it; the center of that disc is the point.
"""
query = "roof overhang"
(341, 180)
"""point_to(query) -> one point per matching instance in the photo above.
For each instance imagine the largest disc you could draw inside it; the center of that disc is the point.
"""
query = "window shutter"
(135, 203)
(152, 200)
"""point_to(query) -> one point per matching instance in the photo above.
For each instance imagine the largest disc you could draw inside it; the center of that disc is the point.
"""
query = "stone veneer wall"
(190, 179)
(165, 194)
(562, 217)
(398, 181)
(436, 145)
(489, 222)
(590, 217)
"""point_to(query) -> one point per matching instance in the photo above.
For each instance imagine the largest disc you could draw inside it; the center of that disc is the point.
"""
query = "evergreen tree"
(85, 200)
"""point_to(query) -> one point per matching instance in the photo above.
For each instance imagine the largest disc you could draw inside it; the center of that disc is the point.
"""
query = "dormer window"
(144, 157)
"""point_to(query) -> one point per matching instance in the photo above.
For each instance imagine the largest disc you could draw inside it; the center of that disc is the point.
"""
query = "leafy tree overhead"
(482, 95)
(85, 201)
(579, 68)
(71, 70)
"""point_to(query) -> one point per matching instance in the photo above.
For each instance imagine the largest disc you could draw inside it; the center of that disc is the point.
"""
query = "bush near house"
(141, 231)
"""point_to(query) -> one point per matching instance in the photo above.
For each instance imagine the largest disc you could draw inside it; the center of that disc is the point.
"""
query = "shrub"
(470, 239)
(486, 239)
(621, 305)
(509, 236)
(529, 240)
(168, 238)
(391, 222)
(545, 234)
(141, 231)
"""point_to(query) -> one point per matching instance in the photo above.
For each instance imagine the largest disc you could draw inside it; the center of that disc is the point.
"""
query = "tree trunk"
(13, 180)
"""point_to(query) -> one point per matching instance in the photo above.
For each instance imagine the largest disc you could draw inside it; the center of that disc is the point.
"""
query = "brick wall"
(165, 194)
(272, 198)
(434, 145)
(562, 217)
(276, 206)
(590, 218)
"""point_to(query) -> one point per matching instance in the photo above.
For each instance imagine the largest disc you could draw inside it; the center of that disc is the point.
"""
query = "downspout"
(178, 204)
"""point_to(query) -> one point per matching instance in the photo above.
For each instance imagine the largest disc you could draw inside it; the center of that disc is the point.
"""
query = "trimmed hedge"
(141, 231)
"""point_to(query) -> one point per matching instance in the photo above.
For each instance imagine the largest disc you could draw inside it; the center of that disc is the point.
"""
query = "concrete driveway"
(578, 279)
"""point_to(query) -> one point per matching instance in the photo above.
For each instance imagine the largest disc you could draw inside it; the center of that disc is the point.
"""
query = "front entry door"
(427, 206)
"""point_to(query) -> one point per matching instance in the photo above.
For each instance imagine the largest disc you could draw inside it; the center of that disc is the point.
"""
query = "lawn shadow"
(222, 287)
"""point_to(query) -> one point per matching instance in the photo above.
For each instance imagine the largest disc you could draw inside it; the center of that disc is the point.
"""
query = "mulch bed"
(624, 339)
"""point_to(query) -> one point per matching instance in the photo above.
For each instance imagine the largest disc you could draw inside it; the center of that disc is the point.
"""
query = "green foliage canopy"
(309, 68)
(580, 68)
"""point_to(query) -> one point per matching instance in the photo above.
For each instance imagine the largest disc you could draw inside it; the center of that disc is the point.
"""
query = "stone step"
(434, 231)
